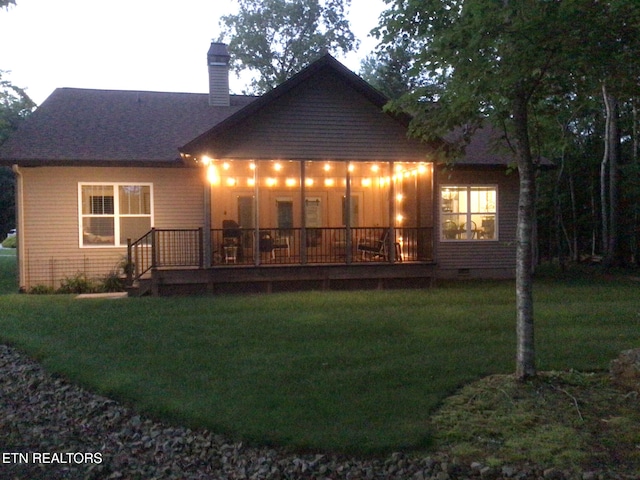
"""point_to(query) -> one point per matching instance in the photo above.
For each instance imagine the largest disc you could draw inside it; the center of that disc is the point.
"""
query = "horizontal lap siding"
(321, 119)
(482, 258)
(50, 232)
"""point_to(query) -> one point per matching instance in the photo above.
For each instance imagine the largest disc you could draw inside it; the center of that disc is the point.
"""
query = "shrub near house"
(9, 242)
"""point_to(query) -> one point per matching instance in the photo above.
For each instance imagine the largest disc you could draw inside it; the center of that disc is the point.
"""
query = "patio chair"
(231, 237)
(266, 244)
(231, 232)
(374, 248)
(282, 242)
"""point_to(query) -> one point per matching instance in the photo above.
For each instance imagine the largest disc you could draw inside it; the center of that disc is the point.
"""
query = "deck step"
(140, 288)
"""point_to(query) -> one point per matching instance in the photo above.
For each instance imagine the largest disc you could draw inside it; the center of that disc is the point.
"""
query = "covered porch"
(265, 212)
(303, 215)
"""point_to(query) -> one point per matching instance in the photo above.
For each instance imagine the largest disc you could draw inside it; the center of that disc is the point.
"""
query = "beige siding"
(50, 234)
(482, 258)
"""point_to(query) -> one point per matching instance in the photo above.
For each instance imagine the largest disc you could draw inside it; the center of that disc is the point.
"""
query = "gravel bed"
(51, 429)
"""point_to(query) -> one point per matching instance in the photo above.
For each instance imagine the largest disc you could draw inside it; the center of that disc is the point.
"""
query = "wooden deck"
(281, 278)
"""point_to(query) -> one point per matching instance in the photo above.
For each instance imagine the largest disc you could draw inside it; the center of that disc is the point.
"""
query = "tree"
(497, 61)
(389, 69)
(275, 39)
(15, 105)
(616, 70)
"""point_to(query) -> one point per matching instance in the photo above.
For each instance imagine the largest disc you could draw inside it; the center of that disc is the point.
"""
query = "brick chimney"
(218, 61)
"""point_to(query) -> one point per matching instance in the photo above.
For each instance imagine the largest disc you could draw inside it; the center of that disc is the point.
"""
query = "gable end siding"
(319, 120)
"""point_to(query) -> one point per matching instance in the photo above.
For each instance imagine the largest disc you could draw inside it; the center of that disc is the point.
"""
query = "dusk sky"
(152, 45)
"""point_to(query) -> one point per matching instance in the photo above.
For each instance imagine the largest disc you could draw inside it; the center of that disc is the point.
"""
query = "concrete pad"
(108, 295)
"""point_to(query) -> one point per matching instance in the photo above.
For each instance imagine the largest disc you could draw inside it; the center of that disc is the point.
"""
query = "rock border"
(52, 429)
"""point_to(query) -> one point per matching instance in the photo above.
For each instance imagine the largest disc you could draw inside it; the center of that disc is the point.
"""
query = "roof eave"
(44, 162)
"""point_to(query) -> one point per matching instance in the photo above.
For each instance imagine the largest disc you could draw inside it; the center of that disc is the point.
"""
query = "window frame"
(116, 215)
(469, 213)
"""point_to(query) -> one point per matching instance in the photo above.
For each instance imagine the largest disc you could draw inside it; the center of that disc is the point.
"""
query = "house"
(312, 185)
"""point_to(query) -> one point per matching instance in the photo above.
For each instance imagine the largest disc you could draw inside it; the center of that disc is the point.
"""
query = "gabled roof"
(324, 112)
(112, 127)
(326, 63)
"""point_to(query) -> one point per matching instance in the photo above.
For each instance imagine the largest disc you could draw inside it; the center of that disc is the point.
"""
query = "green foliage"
(112, 282)
(274, 39)
(7, 200)
(9, 242)
(15, 106)
(41, 290)
(389, 69)
(78, 283)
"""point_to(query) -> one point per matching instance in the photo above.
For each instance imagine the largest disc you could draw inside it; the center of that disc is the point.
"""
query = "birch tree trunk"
(525, 354)
(574, 219)
(604, 201)
(636, 210)
(612, 150)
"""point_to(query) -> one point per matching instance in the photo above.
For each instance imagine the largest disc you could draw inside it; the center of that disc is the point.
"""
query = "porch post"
(391, 238)
(303, 212)
(256, 231)
(206, 233)
(347, 217)
(154, 248)
(127, 268)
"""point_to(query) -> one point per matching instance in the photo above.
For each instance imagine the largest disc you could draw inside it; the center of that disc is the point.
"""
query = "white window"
(110, 213)
(468, 212)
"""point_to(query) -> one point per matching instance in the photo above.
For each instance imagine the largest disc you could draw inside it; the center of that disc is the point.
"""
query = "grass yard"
(353, 372)
(8, 271)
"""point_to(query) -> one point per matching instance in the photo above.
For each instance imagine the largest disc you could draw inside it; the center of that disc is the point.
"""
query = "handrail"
(163, 248)
(139, 259)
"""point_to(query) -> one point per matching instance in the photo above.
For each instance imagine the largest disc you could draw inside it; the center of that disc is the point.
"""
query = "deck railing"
(163, 248)
(321, 245)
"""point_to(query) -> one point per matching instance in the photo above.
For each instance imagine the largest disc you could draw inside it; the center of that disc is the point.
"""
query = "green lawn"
(8, 271)
(339, 371)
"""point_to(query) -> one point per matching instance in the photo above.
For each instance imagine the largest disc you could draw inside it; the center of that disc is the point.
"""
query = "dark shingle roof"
(113, 127)
(486, 146)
